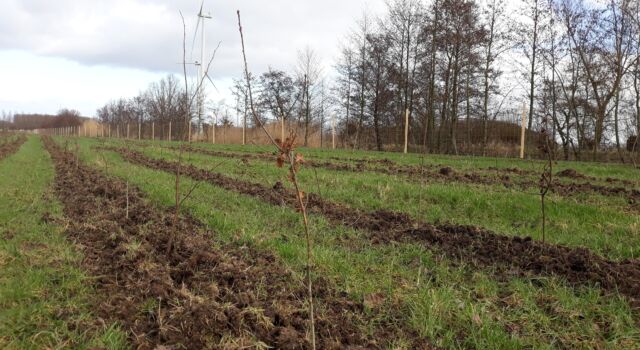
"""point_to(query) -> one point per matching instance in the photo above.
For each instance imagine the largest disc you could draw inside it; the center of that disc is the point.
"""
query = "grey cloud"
(147, 34)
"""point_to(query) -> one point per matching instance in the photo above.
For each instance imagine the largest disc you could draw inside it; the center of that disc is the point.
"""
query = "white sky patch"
(99, 50)
(44, 84)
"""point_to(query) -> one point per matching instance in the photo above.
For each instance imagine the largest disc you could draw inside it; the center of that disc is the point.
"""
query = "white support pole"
(139, 130)
(201, 71)
(406, 131)
(201, 76)
(127, 131)
(169, 130)
(153, 131)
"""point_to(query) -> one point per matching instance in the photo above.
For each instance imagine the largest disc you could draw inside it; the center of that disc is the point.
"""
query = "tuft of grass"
(44, 295)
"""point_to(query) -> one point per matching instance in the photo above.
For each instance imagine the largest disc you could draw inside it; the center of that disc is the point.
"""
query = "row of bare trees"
(452, 62)
(457, 67)
(163, 102)
(23, 121)
(459, 71)
(300, 98)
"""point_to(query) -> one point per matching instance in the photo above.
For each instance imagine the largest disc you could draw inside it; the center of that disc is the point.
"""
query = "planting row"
(448, 174)
(162, 277)
(607, 224)
(465, 243)
(453, 303)
(11, 145)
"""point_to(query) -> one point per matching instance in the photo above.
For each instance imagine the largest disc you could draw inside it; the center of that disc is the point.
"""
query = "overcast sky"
(81, 54)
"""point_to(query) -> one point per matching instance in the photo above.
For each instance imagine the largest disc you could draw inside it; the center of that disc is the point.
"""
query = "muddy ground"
(448, 174)
(478, 247)
(165, 281)
(11, 147)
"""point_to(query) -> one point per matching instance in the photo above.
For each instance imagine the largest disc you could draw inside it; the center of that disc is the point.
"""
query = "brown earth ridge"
(200, 294)
(521, 256)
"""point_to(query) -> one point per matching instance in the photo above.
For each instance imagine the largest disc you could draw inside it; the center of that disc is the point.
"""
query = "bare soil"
(448, 174)
(171, 287)
(509, 255)
(11, 147)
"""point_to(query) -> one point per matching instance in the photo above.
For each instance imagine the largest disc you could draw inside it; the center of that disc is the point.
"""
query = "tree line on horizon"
(463, 71)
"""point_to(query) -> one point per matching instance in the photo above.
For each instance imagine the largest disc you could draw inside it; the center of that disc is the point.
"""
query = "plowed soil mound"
(11, 147)
(515, 255)
(165, 281)
(448, 174)
(570, 173)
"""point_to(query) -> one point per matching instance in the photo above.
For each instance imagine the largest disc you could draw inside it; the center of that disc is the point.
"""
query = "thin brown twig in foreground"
(249, 92)
(285, 148)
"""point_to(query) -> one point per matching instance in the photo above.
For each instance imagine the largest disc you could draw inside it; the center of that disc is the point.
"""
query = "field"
(410, 251)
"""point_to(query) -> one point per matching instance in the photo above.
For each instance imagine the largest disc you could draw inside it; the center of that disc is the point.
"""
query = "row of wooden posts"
(102, 130)
(106, 132)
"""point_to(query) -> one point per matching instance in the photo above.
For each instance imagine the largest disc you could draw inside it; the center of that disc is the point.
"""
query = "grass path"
(44, 295)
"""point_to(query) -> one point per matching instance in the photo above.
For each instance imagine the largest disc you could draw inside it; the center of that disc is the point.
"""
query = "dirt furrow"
(510, 255)
(11, 147)
(447, 174)
(165, 281)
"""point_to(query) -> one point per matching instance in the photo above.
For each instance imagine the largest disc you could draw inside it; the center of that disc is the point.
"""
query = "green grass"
(602, 224)
(455, 305)
(44, 295)
(595, 169)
